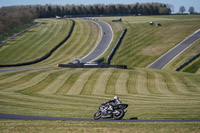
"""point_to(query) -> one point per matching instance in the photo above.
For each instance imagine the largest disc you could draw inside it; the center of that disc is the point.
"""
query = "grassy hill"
(62, 92)
(38, 41)
(151, 94)
(143, 44)
(34, 43)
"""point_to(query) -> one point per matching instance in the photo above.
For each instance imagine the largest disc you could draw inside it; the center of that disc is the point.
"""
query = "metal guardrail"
(187, 62)
(82, 65)
(116, 46)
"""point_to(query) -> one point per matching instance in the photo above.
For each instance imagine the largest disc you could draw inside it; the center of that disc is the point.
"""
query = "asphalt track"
(103, 44)
(174, 52)
(27, 117)
(23, 68)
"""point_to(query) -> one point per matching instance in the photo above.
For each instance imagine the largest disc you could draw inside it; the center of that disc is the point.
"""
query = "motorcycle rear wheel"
(97, 115)
(119, 115)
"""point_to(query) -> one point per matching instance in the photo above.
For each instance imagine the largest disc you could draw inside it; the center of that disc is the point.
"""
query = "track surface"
(174, 52)
(21, 69)
(102, 46)
(26, 117)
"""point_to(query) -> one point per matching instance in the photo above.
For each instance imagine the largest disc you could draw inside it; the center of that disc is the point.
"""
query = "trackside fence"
(116, 46)
(46, 55)
(82, 65)
(188, 62)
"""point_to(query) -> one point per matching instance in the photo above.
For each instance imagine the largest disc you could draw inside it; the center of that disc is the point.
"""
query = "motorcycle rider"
(113, 102)
(111, 109)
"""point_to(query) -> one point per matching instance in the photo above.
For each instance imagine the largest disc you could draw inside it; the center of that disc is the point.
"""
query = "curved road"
(102, 46)
(174, 52)
(27, 117)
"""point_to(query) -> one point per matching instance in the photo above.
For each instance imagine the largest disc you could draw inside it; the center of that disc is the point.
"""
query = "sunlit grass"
(152, 94)
(77, 93)
(97, 127)
(143, 44)
(35, 42)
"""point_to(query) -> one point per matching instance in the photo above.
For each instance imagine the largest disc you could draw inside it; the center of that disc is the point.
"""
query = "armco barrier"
(116, 46)
(188, 62)
(82, 65)
(99, 60)
(46, 55)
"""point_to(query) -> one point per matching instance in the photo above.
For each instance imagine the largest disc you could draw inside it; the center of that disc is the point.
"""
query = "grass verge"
(185, 56)
(98, 127)
(16, 30)
(143, 44)
(77, 93)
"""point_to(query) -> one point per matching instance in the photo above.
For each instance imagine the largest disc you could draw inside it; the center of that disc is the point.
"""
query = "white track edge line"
(100, 40)
(180, 53)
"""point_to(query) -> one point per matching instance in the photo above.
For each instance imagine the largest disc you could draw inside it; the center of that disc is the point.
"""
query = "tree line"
(14, 16)
(99, 9)
(191, 10)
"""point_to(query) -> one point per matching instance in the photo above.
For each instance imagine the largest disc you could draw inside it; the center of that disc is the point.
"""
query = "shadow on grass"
(133, 118)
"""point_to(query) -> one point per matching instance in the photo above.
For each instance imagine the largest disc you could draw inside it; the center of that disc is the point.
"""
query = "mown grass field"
(38, 41)
(97, 127)
(143, 44)
(17, 29)
(34, 43)
(85, 36)
(151, 94)
(77, 93)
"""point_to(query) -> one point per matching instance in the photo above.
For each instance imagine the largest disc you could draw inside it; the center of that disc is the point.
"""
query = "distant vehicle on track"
(58, 17)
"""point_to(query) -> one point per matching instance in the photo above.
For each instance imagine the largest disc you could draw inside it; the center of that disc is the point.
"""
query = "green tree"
(191, 10)
(182, 9)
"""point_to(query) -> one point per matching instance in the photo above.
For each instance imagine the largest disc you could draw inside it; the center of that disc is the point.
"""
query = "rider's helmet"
(116, 98)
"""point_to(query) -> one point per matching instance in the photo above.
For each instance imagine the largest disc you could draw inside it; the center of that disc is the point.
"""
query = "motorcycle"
(117, 112)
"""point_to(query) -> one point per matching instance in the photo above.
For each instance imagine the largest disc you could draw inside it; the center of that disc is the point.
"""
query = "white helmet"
(115, 97)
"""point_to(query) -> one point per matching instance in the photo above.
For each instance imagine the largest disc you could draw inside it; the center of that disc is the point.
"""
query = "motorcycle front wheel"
(97, 115)
(119, 115)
